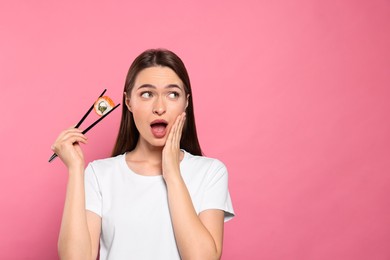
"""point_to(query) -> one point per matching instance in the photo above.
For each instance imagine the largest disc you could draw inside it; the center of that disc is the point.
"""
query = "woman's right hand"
(68, 149)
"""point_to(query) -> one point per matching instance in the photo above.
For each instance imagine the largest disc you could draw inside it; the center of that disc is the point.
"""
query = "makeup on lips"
(159, 128)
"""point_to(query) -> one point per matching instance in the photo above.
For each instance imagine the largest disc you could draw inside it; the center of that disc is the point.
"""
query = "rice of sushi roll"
(103, 105)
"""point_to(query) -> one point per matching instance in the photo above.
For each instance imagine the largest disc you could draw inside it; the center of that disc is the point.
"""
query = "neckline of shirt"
(128, 170)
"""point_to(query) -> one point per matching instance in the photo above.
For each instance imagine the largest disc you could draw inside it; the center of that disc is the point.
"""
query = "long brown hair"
(128, 133)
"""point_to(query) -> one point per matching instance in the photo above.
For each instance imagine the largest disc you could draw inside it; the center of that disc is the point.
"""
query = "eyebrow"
(154, 87)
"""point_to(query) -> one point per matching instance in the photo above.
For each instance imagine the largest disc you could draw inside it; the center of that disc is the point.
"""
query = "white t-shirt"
(136, 222)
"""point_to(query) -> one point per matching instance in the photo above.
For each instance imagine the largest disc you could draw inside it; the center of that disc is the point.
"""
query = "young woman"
(157, 197)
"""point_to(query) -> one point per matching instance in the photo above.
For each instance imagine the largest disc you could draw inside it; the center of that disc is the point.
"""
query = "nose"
(159, 107)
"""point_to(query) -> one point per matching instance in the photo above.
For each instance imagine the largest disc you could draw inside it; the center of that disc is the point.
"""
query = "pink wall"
(292, 95)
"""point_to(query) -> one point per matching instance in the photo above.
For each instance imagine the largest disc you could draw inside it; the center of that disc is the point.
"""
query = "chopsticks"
(92, 125)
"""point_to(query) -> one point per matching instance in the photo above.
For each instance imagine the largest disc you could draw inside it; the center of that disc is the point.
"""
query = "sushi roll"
(103, 105)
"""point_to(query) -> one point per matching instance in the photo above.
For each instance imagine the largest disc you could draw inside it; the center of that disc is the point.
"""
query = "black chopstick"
(92, 125)
(100, 119)
(89, 111)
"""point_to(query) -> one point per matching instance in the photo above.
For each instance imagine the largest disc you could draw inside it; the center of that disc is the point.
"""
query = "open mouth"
(159, 128)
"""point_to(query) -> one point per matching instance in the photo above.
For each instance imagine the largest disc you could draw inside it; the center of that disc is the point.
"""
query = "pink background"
(292, 95)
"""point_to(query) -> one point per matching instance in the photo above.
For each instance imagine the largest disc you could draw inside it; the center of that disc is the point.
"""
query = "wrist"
(76, 169)
(173, 178)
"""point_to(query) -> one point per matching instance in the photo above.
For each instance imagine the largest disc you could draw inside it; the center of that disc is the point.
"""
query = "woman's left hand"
(171, 152)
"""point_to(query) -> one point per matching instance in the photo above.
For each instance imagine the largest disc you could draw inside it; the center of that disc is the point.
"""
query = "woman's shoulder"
(204, 161)
(106, 163)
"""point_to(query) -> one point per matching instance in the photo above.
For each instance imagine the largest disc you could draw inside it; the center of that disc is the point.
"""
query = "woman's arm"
(197, 237)
(80, 229)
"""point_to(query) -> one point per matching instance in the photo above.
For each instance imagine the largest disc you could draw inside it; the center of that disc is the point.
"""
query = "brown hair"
(128, 133)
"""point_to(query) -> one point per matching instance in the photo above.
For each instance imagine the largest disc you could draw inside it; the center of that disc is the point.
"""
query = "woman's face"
(156, 100)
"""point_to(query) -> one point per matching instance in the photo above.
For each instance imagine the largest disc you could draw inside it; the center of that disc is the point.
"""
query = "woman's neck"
(146, 152)
(145, 159)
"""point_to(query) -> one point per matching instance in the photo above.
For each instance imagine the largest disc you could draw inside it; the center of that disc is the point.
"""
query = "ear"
(127, 101)
(188, 96)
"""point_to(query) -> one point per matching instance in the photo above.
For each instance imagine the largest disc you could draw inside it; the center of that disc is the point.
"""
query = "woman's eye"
(173, 95)
(146, 94)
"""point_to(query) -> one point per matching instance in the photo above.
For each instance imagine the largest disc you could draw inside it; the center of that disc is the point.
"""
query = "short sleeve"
(217, 194)
(93, 197)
